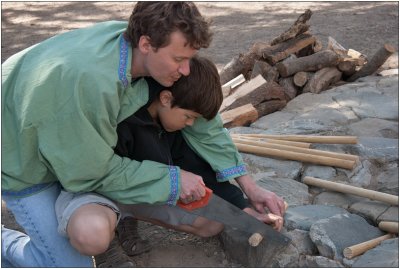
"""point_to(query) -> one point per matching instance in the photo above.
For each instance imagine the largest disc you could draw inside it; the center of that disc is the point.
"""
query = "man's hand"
(192, 187)
(274, 220)
(261, 198)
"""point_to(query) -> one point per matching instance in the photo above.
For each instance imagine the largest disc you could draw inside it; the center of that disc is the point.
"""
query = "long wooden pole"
(355, 250)
(296, 156)
(298, 149)
(343, 188)
(274, 141)
(389, 226)
(311, 138)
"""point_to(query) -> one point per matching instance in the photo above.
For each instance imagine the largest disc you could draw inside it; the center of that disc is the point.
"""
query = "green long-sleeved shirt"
(61, 102)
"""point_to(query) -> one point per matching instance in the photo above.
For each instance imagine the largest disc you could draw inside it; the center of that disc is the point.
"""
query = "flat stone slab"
(302, 217)
(332, 235)
(384, 255)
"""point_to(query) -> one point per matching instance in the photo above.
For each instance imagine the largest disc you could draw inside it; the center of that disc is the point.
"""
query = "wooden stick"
(389, 226)
(355, 250)
(273, 141)
(311, 138)
(343, 188)
(302, 157)
(298, 149)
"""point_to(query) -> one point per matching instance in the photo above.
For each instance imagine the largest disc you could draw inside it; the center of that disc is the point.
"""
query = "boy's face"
(168, 64)
(174, 118)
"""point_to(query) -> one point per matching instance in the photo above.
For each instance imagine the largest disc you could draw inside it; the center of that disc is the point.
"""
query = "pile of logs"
(270, 74)
(297, 148)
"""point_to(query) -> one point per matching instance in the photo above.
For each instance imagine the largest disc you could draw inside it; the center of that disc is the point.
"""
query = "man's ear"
(166, 98)
(144, 44)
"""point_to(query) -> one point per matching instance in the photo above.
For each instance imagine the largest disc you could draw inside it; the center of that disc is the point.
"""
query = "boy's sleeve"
(213, 143)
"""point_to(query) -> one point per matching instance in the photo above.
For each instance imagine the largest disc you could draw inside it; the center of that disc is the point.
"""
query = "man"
(61, 102)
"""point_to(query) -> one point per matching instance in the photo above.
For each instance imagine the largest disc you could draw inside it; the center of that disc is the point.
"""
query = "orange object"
(197, 204)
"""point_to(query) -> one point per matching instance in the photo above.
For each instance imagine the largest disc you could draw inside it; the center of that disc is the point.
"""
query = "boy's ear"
(144, 44)
(166, 98)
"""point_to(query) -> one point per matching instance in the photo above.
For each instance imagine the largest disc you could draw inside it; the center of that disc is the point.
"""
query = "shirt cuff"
(231, 173)
(174, 185)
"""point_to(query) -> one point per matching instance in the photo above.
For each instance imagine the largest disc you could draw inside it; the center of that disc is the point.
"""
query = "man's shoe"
(114, 257)
(131, 242)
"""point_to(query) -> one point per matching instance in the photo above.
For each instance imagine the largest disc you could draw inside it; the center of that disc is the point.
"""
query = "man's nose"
(184, 68)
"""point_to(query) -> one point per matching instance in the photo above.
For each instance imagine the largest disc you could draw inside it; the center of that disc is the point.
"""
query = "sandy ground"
(363, 26)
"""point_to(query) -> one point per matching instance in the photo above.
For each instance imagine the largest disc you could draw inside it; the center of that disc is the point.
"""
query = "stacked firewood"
(270, 74)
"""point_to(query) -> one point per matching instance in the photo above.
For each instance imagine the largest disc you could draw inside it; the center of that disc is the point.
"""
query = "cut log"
(267, 91)
(269, 73)
(242, 64)
(300, 26)
(281, 51)
(296, 156)
(241, 116)
(269, 107)
(326, 139)
(348, 68)
(290, 89)
(389, 226)
(300, 78)
(297, 149)
(334, 46)
(376, 61)
(343, 188)
(355, 250)
(242, 90)
(321, 80)
(319, 60)
(227, 87)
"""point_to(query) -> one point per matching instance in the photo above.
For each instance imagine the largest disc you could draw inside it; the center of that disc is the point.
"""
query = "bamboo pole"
(389, 226)
(343, 188)
(355, 250)
(297, 149)
(311, 138)
(303, 157)
(274, 141)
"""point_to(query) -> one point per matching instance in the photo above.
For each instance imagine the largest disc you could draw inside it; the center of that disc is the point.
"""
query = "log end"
(390, 48)
(255, 239)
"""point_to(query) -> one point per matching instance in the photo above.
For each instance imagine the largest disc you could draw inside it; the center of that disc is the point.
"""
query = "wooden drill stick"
(343, 188)
(273, 141)
(311, 138)
(298, 149)
(389, 226)
(302, 157)
(353, 251)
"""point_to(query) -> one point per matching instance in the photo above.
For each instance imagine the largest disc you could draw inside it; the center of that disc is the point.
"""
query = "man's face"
(168, 64)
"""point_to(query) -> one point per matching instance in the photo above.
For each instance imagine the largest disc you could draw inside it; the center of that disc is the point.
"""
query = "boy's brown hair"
(201, 90)
(158, 20)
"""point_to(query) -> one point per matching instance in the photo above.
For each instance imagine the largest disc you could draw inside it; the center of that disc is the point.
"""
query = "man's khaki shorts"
(67, 203)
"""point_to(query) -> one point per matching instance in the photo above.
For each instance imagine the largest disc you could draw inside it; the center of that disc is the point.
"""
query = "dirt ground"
(363, 26)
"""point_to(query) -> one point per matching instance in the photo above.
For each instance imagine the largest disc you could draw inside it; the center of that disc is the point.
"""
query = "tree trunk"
(269, 107)
(300, 78)
(269, 73)
(289, 88)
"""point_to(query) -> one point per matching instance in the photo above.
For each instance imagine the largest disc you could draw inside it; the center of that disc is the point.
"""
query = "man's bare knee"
(91, 228)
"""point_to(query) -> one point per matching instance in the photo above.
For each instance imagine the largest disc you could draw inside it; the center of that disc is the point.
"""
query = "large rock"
(384, 255)
(369, 210)
(336, 199)
(308, 261)
(332, 235)
(302, 217)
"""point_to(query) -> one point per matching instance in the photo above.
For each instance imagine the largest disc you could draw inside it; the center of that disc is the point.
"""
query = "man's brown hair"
(201, 90)
(158, 20)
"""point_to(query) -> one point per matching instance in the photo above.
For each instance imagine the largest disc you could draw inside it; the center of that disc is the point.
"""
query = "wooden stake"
(343, 188)
(273, 141)
(295, 156)
(297, 149)
(353, 251)
(389, 226)
(311, 138)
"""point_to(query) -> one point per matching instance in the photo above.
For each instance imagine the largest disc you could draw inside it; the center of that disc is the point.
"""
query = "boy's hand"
(192, 187)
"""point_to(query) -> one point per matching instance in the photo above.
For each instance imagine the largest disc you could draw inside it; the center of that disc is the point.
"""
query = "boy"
(154, 133)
